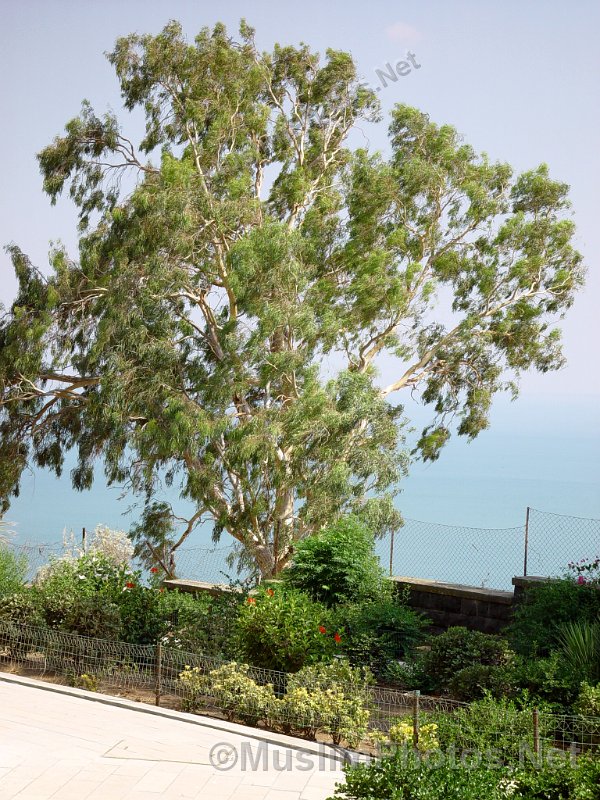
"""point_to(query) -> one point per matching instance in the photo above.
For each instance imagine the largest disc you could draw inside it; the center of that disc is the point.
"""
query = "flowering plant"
(586, 570)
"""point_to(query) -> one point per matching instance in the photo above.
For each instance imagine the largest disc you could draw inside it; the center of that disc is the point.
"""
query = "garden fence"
(487, 557)
(152, 673)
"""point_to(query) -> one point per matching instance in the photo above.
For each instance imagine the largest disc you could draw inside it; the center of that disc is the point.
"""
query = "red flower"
(581, 579)
(322, 629)
(161, 590)
(154, 570)
(337, 638)
(251, 601)
(130, 585)
(270, 592)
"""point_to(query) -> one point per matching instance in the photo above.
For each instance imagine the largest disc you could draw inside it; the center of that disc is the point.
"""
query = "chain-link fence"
(314, 706)
(486, 557)
(554, 540)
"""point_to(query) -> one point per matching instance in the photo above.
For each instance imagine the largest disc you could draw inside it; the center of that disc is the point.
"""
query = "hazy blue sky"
(518, 79)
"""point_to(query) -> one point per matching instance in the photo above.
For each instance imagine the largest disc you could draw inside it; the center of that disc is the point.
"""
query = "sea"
(465, 514)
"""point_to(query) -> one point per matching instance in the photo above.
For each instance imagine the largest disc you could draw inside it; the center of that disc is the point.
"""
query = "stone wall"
(449, 604)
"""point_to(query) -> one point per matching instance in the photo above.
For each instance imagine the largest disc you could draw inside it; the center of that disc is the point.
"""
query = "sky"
(518, 80)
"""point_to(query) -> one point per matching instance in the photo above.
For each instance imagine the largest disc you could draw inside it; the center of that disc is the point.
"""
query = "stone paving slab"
(57, 745)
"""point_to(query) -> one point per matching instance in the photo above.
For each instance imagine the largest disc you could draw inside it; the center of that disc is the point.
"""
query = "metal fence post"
(158, 671)
(526, 543)
(536, 731)
(416, 698)
(84, 540)
(392, 554)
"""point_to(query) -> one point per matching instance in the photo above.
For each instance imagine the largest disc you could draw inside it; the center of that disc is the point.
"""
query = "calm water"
(545, 455)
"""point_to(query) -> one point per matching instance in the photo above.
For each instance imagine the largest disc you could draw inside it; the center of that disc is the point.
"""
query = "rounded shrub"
(338, 565)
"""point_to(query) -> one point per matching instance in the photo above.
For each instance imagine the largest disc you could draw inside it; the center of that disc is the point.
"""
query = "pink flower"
(580, 579)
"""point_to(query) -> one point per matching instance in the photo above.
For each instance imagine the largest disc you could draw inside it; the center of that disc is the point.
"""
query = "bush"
(13, 569)
(332, 698)
(588, 701)
(23, 607)
(93, 616)
(402, 734)
(231, 689)
(284, 630)
(473, 682)
(338, 565)
(401, 778)
(458, 648)
(545, 608)
(379, 632)
(547, 680)
(498, 726)
(579, 644)
(200, 623)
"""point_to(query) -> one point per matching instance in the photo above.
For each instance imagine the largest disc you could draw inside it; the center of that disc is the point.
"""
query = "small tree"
(241, 245)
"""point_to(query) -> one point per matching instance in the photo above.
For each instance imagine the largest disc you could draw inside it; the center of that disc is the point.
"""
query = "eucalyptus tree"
(243, 270)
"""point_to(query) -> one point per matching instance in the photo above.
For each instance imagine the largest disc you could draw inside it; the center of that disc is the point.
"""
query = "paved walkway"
(65, 747)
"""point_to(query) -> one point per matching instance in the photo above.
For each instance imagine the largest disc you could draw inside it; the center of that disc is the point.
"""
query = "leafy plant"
(458, 648)
(588, 701)
(338, 565)
(13, 569)
(402, 733)
(283, 629)
(200, 623)
(333, 698)
(580, 647)
(474, 681)
(547, 606)
(379, 632)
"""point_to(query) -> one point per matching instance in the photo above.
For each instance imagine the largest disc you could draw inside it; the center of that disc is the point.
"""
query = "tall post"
(536, 731)
(158, 672)
(392, 553)
(526, 554)
(416, 698)
(84, 540)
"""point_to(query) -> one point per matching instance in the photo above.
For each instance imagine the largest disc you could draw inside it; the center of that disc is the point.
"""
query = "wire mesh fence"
(554, 540)
(350, 713)
(485, 557)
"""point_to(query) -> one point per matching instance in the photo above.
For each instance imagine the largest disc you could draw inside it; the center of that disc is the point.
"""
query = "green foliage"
(13, 569)
(547, 680)
(338, 565)
(500, 727)
(200, 623)
(379, 632)
(580, 647)
(231, 689)
(588, 701)
(545, 608)
(402, 777)
(204, 297)
(458, 648)
(473, 682)
(24, 608)
(283, 629)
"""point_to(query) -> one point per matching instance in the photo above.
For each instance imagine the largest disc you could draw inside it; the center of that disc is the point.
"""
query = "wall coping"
(455, 590)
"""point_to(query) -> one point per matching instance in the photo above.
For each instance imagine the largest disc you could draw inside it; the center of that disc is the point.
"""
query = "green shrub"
(231, 689)
(13, 569)
(399, 777)
(331, 698)
(283, 629)
(588, 701)
(406, 777)
(338, 565)
(93, 616)
(545, 608)
(458, 648)
(579, 644)
(499, 726)
(547, 680)
(379, 632)
(473, 682)
(22, 607)
(200, 623)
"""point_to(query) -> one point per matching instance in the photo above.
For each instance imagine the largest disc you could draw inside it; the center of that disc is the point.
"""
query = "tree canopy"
(241, 273)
